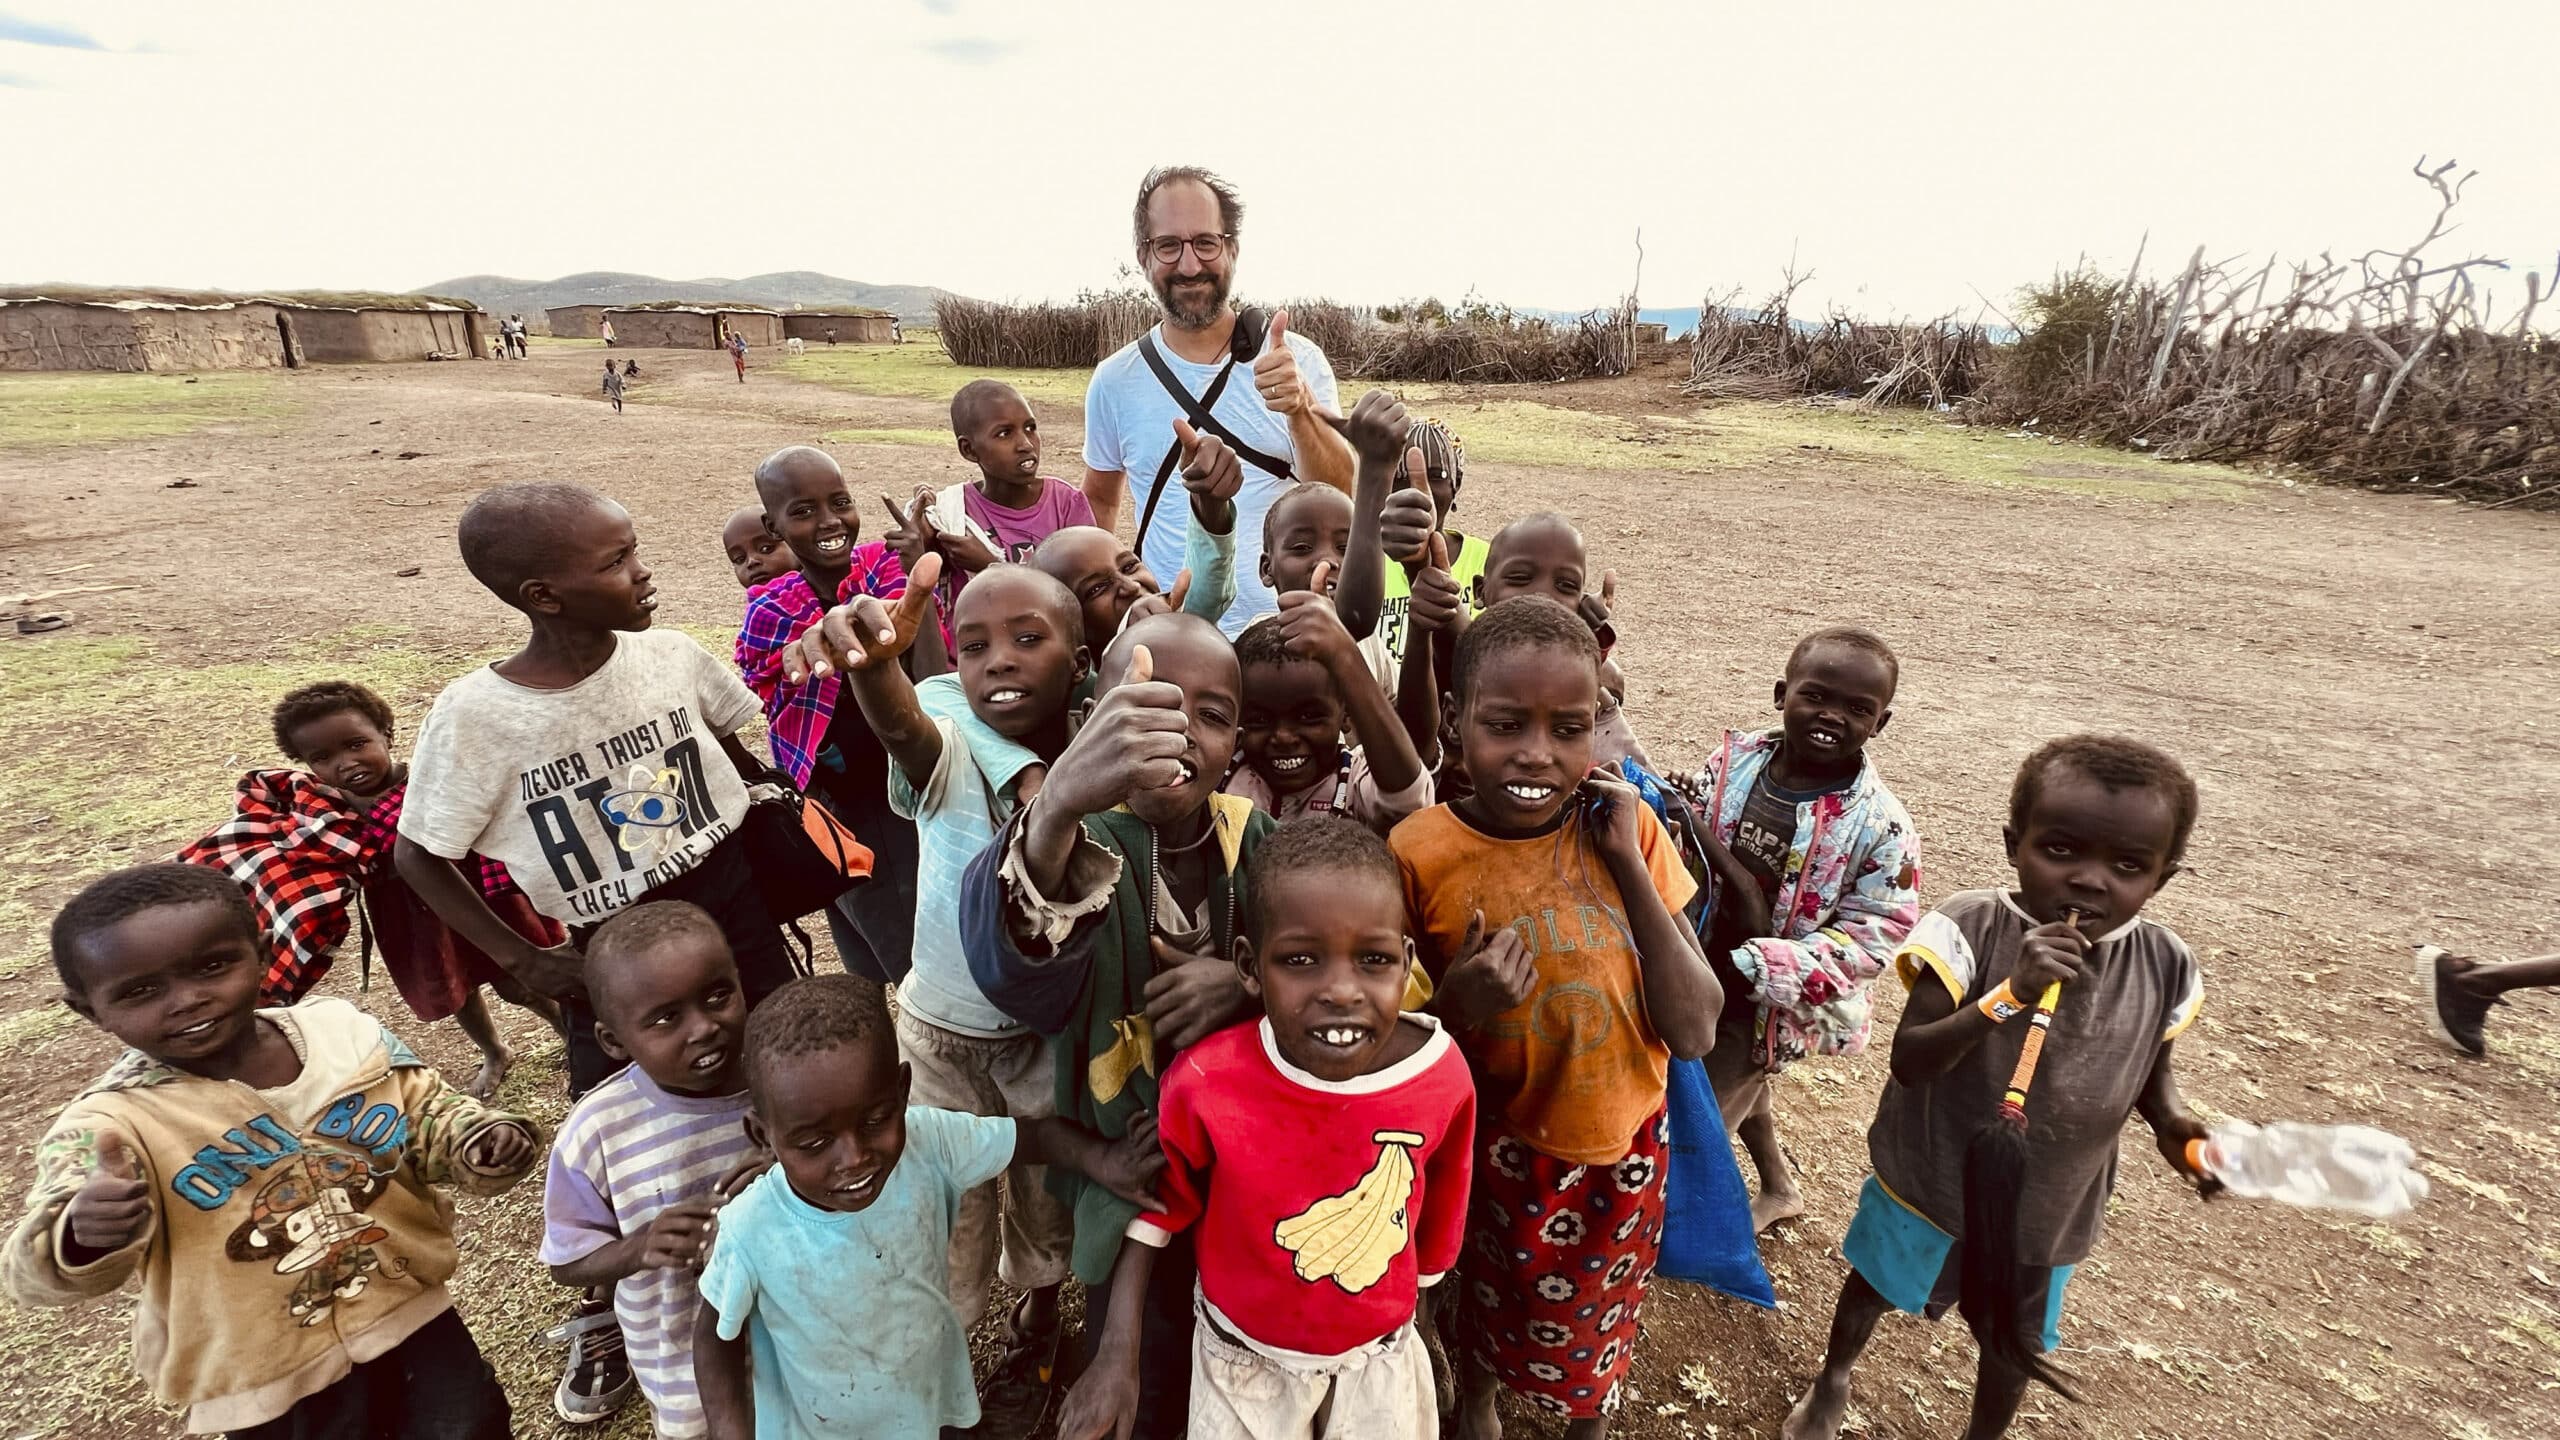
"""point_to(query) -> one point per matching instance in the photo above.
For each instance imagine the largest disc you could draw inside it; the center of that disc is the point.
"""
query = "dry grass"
(98, 408)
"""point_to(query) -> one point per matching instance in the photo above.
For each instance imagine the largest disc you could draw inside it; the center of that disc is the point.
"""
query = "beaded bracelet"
(2001, 1005)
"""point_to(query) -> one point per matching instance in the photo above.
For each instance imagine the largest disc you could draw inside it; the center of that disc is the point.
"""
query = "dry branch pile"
(2390, 369)
(1017, 337)
(1769, 354)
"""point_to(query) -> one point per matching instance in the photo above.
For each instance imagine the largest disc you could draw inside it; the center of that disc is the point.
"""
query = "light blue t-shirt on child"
(956, 812)
(848, 1318)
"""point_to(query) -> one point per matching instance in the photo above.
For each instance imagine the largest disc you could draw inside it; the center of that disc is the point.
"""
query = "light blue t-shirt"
(1128, 424)
(848, 1318)
(956, 812)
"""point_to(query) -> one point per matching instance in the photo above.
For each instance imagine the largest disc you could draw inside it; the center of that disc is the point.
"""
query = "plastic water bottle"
(2328, 1167)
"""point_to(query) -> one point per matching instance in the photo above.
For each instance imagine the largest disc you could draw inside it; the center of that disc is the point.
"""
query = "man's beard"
(1198, 309)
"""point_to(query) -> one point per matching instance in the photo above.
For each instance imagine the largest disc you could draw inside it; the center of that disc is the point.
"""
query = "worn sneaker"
(2456, 1015)
(597, 1379)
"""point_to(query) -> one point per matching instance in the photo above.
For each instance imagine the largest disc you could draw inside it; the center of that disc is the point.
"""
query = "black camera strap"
(1198, 409)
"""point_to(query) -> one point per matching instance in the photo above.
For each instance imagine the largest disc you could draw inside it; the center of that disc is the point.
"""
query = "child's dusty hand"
(1309, 627)
(1595, 609)
(911, 534)
(1128, 1167)
(964, 550)
(2173, 1133)
(865, 632)
(1436, 601)
(742, 1174)
(1408, 517)
(2051, 955)
(501, 1149)
(1152, 603)
(1616, 830)
(1211, 472)
(113, 1204)
(1376, 428)
(1493, 973)
(1103, 1405)
(1190, 997)
(679, 1237)
(556, 971)
(1136, 740)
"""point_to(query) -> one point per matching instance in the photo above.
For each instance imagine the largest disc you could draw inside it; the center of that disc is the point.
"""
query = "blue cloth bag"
(1706, 1214)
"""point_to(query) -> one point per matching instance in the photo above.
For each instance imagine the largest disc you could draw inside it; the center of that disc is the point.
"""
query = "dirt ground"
(2359, 684)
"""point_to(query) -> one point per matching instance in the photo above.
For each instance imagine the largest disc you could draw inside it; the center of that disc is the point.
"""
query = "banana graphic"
(1108, 1073)
(1353, 1237)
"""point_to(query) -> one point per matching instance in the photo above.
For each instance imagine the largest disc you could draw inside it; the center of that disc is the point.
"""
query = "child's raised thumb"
(1183, 432)
(1181, 590)
(1439, 551)
(1142, 666)
(1475, 934)
(115, 1159)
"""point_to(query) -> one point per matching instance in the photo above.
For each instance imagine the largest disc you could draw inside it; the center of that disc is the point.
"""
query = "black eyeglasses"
(1168, 248)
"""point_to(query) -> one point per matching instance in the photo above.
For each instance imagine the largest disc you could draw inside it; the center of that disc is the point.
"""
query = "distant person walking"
(897, 333)
(613, 385)
(738, 354)
(606, 324)
(1265, 392)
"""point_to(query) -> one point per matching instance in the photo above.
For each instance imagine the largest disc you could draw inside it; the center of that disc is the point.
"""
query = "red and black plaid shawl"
(303, 851)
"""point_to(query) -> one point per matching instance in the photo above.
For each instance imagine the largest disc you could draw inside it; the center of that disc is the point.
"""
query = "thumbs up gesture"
(1436, 603)
(1376, 428)
(113, 1206)
(1407, 518)
(1275, 372)
(866, 631)
(1139, 738)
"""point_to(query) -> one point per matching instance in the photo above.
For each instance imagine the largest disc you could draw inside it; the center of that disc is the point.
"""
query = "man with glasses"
(1264, 394)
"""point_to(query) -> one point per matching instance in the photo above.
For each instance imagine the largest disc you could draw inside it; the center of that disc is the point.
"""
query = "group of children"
(1312, 998)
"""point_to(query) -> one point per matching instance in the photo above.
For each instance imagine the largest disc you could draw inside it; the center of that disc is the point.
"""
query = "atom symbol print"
(647, 813)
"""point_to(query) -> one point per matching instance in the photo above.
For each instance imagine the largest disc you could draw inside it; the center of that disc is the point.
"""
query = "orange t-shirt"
(1577, 1067)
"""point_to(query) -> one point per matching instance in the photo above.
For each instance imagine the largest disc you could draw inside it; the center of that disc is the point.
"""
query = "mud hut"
(862, 326)
(44, 333)
(675, 325)
(335, 334)
(577, 322)
(69, 327)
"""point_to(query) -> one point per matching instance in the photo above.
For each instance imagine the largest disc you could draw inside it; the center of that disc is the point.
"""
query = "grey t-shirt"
(2142, 987)
(590, 795)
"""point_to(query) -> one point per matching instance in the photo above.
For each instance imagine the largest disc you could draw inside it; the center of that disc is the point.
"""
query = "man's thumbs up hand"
(1275, 372)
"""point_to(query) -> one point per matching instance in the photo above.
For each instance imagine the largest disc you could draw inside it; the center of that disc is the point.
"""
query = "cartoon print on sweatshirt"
(1352, 1238)
(310, 1220)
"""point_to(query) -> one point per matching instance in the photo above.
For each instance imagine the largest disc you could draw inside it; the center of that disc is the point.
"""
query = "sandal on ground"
(597, 1378)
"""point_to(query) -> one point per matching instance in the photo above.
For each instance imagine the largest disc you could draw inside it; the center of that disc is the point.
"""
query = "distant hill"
(807, 289)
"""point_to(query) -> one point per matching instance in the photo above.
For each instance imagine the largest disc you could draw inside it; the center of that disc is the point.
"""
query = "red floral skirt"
(1557, 1261)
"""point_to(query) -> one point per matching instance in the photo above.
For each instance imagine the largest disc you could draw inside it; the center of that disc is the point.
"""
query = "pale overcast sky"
(1908, 154)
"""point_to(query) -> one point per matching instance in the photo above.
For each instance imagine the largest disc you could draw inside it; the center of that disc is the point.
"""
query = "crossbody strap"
(1199, 411)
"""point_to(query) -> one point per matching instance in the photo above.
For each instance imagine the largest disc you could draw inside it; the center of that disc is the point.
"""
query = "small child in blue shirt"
(833, 1268)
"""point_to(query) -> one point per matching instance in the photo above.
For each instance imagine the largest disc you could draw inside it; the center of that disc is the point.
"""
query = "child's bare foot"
(1773, 1207)
(493, 1073)
(1818, 1415)
(1477, 1418)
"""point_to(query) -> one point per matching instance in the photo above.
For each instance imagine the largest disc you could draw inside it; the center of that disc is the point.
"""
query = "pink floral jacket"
(1850, 893)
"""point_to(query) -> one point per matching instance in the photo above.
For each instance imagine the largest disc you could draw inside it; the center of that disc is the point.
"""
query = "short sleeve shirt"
(1574, 1069)
(2141, 989)
(955, 813)
(628, 1151)
(592, 794)
(848, 1317)
(1128, 426)
(1059, 507)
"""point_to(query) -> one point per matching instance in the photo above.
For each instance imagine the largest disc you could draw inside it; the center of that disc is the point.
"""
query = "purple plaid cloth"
(777, 612)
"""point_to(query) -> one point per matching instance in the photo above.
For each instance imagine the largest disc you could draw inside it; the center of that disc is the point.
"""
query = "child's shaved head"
(817, 1014)
(1847, 637)
(781, 470)
(2118, 764)
(1539, 554)
(1524, 622)
(969, 405)
(510, 534)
